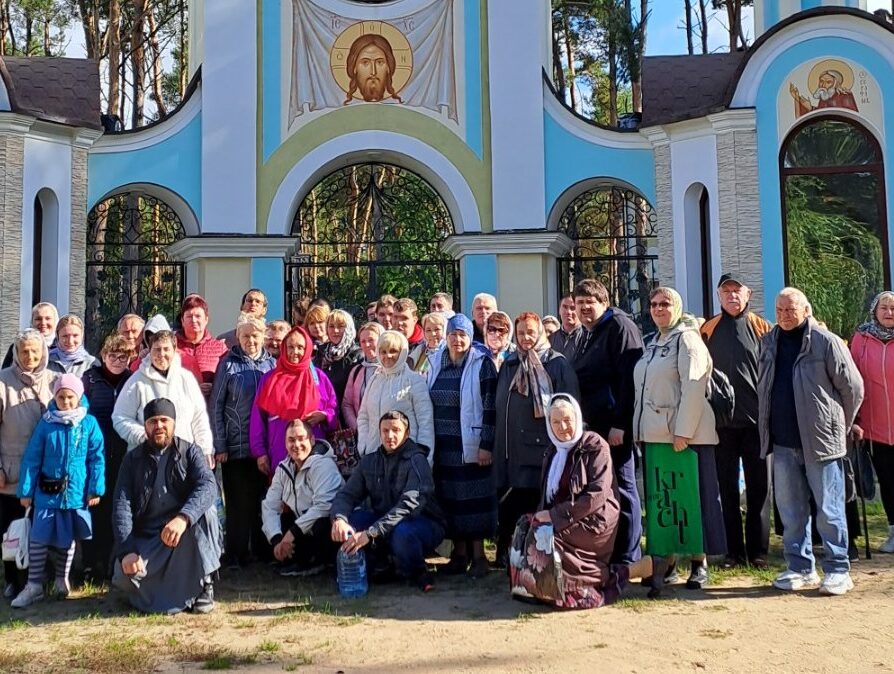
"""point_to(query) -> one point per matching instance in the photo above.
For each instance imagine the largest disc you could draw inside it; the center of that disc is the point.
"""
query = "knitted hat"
(460, 323)
(71, 382)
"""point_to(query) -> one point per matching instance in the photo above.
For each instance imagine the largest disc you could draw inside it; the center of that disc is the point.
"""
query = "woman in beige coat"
(675, 426)
(25, 389)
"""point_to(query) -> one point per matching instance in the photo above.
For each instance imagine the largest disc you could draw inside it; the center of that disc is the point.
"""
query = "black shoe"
(759, 563)
(853, 554)
(455, 566)
(698, 578)
(731, 562)
(204, 603)
(425, 582)
(479, 568)
(670, 575)
(657, 579)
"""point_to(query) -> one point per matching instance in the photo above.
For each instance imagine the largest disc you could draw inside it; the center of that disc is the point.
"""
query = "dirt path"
(265, 623)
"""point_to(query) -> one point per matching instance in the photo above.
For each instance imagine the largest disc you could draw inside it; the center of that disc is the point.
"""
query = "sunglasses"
(660, 305)
(497, 331)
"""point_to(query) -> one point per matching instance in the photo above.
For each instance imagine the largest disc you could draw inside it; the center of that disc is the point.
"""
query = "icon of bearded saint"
(370, 67)
(830, 93)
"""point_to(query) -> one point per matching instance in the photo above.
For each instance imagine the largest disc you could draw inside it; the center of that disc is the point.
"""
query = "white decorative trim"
(655, 136)
(588, 132)
(742, 119)
(130, 142)
(381, 146)
(86, 138)
(194, 248)
(843, 26)
(508, 243)
(12, 122)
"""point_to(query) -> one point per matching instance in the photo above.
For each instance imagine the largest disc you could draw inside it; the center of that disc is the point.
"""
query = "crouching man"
(403, 521)
(298, 502)
(167, 536)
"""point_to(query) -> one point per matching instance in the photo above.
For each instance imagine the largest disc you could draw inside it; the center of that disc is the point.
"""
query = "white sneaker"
(793, 580)
(836, 583)
(888, 545)
(30, 594)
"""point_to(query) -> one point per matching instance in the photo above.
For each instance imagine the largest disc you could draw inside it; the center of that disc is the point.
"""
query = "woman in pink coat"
(295, 389)
(873, 350)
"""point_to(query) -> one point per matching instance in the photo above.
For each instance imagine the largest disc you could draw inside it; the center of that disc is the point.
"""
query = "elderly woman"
(340, 353)
(44, 317)
(162, 375)
(869, 348)
(362, 373)
(235, 386)
(498, 337)
(103, 383)
(576, 523)
(69, 355)
(527, 380)
(434, 326)
(675, 424)
(315, 323)
(294, 389)
(395, 387)
(195, 342)
(462, 383)
(25, 392)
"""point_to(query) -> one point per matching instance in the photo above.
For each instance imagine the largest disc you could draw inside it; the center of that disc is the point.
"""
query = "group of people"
(413, 430)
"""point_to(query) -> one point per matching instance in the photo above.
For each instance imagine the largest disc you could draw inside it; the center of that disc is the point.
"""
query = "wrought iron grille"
(615, 242)
(367, 230)
(128, 269)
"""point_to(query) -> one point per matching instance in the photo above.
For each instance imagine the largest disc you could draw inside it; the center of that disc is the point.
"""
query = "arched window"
(613, 230)
(370, 229)
(45, 247)
(128, 268)
(834, 219)
(697, 249)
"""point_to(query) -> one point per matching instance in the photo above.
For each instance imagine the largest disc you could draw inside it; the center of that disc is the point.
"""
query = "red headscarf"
(290, 391)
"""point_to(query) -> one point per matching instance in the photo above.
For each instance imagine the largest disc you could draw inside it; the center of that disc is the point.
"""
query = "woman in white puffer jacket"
(395, 386)
(161, 375)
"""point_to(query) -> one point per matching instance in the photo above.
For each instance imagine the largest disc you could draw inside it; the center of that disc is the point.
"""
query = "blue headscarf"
(460, 323)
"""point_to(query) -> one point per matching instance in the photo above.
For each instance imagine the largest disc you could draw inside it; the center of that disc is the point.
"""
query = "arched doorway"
(613, 230)
(370, 229)
(834, 219)
(128, 268)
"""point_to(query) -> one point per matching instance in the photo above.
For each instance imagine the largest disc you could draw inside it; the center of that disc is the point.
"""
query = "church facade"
(345, 149)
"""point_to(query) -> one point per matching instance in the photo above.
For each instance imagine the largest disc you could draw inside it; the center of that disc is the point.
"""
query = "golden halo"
(847, 73)
(403, 54)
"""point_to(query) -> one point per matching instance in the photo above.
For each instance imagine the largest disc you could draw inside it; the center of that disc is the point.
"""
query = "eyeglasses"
(493, 330)
(118, 357)
(660, 305)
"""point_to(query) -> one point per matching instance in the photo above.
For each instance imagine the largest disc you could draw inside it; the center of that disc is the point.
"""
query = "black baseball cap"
(729, 278)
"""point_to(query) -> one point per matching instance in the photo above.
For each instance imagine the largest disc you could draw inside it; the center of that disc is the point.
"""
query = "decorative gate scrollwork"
(615, 242)
(367, 230)
(128, 268)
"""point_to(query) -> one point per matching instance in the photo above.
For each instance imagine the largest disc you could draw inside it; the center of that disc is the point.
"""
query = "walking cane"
(858, 447)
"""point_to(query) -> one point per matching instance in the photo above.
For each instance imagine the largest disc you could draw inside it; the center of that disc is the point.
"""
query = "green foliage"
(36, 27)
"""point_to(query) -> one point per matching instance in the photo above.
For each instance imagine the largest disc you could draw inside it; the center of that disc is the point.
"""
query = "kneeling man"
(298, 502)
(403, 518)
(167, 536)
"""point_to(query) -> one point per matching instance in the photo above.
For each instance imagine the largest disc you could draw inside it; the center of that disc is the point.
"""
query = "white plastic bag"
(15, 541)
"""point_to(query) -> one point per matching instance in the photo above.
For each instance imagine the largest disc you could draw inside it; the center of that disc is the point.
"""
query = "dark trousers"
(97, 552)
(408, 542)
(630, 523)
(744, 444)
(244, 488)
(314, 547)
(883, 461)
(11, 510)
(513, 504)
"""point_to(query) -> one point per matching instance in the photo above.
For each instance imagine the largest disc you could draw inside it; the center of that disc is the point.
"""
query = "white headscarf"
(563, 448)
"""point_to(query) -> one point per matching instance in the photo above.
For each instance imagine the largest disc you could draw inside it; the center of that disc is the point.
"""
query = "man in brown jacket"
(733, 337)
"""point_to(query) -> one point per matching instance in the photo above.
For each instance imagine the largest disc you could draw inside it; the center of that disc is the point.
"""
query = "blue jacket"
(234, 391)
(59, 450)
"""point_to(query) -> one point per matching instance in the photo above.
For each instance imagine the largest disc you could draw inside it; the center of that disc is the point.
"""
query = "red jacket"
(205, 355)
(877, 367)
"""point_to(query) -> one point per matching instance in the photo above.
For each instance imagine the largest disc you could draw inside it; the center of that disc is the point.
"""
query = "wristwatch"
(373, 533)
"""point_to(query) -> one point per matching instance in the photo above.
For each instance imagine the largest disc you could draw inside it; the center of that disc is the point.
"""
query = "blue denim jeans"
(797, 474)
(408, 542)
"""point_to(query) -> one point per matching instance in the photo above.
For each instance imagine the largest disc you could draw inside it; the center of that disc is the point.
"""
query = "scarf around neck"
(676, 307)
(290, 391)
(68, 418)
(401, 363)
(332, 353)
(563, 447)
(872, 326)
(531, 377)
(69, 358)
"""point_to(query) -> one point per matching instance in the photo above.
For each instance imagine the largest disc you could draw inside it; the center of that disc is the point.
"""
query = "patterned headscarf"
(335, 352)
(872, 326)
(676, 308)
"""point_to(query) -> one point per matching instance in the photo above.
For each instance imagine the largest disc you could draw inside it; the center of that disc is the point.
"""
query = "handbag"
(52, 485)
(344, 443)
(16, 540)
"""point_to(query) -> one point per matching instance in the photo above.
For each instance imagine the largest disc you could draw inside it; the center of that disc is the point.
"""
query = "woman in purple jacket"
(295, 389)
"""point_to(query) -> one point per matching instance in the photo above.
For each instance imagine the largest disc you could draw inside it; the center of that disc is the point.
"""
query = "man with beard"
(370, 67)
(165, 523)
(830, 93)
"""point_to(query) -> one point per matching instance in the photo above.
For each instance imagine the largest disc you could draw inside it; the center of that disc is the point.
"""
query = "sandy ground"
(266, 623)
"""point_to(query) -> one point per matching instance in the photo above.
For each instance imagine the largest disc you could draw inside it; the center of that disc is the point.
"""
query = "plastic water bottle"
(352, 574)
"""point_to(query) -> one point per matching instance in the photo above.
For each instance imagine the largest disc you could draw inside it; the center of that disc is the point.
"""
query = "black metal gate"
(128, 268)
(367, 230)
(615, 242)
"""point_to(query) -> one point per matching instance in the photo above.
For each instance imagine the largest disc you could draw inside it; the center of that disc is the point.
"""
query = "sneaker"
(794, 580)
(836, 584)
(32, 593)
(888, 545)
(61, 588)
(671, 576)
(299, 571)
(759, 563)
(698, 578)
(205, 602)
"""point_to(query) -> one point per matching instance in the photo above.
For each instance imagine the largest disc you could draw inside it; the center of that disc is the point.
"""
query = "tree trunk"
(558, 70)
(703, 22)
(569, 53)
(184, 54)
(47, 47)
(612, 81)
(157, 73)
(138, 62)
(114, 39)
(687, 4)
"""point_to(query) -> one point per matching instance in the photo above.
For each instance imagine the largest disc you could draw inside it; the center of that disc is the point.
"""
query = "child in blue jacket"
(62, 474)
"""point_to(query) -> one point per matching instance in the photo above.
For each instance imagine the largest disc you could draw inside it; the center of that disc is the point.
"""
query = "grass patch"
(635, 604)
(716, 634)
(12, 661)
(325, 612)
(229, 660)
(718, 576)
(525, 617)
(131, 655)
(268, 646)
(299, 660)
(11, 624)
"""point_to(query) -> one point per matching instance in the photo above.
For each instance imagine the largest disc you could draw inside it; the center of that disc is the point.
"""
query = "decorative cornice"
(11, 122)
(741, 119)
(248, 246)
(656, 135)
(516, 242)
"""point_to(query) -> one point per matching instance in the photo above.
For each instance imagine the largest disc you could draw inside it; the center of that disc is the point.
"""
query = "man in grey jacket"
(809, 391)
